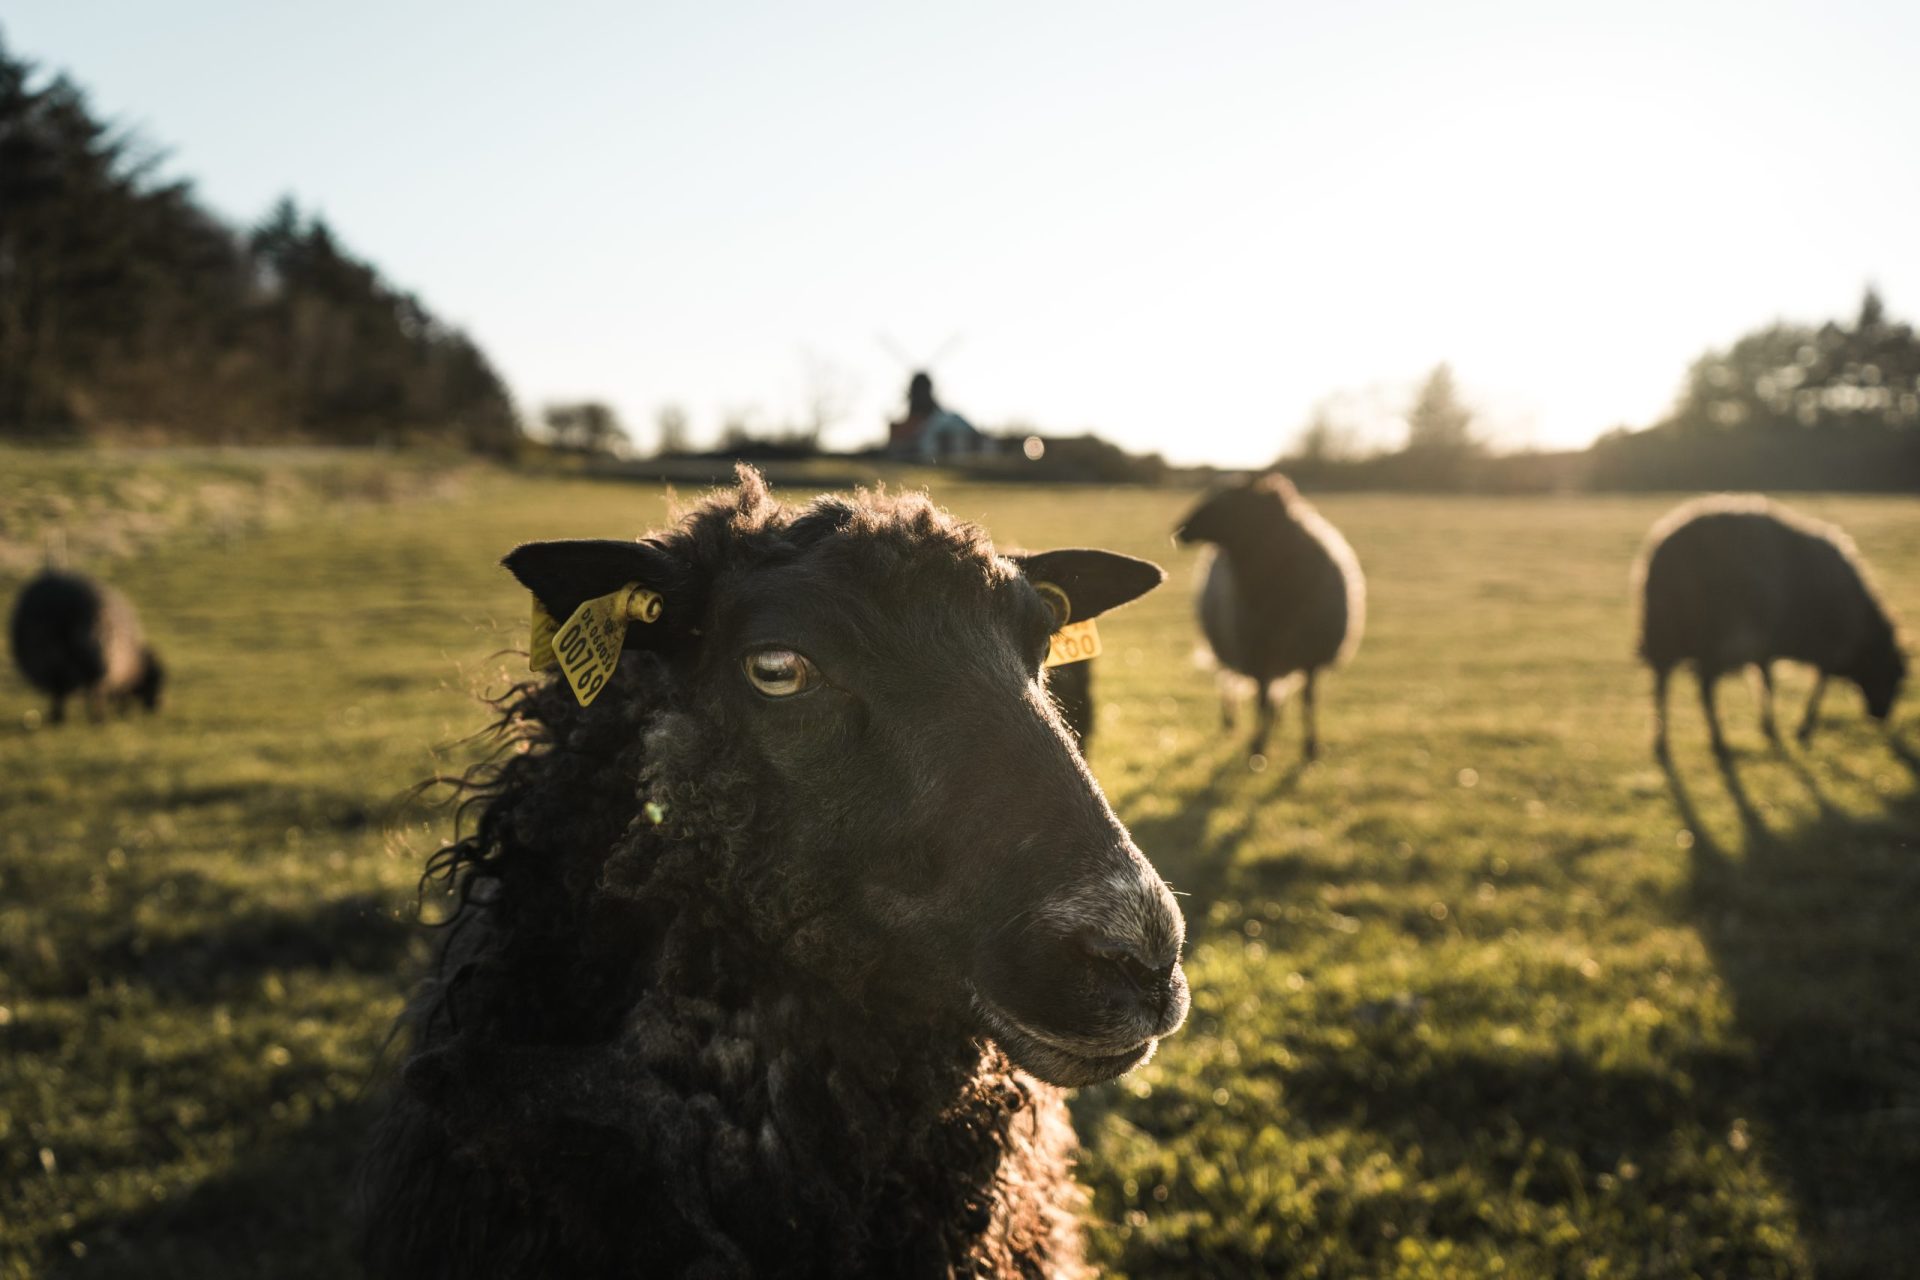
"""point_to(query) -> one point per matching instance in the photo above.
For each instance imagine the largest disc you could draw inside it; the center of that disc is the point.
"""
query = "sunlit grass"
(1486, 989)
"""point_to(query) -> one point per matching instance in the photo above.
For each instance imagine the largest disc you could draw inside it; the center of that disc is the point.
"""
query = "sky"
(1183, 227)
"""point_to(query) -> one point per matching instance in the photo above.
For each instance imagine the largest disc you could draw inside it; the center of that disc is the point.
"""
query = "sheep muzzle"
(1083, 988)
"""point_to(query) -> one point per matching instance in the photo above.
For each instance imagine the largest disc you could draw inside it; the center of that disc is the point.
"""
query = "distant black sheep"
(73, 635)
(1728, 582)
(770, 961)
(1283, 594)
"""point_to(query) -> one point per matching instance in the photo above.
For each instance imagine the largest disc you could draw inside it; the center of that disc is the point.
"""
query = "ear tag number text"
(587, 645)
(1075, 642)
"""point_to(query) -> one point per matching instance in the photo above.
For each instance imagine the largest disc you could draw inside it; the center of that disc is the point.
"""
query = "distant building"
(930, 432)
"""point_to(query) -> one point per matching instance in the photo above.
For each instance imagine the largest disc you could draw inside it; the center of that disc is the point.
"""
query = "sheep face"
(1229, 515)
(153, 678)
(926, 836)
(1880, 674)
(908, 749)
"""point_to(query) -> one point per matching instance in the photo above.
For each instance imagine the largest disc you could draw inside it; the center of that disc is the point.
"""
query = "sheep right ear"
(564, 575)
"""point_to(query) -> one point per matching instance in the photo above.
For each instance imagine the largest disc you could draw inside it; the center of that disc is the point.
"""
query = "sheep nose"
(1128, 961)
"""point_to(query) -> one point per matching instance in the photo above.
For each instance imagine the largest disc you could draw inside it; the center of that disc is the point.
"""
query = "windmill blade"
(945, 349)
(895, 350)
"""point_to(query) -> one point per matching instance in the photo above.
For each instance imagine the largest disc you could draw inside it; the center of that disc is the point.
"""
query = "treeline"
(1786, 407)
(1444, 452)
(129, 310)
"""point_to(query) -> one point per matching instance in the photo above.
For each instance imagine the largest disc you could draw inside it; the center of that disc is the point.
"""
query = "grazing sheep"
(1283, 593)
(772, 959)
(73, 635)
(1728, 582)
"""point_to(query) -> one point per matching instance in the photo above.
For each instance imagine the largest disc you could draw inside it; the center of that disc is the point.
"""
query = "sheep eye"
(779, 673)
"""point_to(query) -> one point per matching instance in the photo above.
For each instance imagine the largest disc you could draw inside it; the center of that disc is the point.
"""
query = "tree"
(1873, 311)
(1438, 421)
(1324, 439)
(126, 304)
(587, 427)
(736, 427)
(830, 392)
(1787, 406)
(1788, 377)
(670, 427)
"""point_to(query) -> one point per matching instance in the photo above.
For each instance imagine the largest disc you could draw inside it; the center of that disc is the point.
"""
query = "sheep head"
(1880, 669)
(865, 677)
(1240, 512)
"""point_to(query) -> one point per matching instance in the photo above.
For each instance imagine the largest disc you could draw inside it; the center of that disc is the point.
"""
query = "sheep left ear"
(1092, 581)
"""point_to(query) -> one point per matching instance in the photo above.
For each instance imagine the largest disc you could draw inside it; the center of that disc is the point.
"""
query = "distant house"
(930, 432)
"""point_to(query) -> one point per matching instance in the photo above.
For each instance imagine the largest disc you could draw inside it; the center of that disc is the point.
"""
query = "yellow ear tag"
(1072, 641)
(587, 645)
(540, 639)
(1075, 642)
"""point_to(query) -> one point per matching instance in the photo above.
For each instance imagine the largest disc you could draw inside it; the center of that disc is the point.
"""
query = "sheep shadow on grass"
(1199, 866)
(1811, 927)
(359, 931)
(280, 1210)
(276, 1205)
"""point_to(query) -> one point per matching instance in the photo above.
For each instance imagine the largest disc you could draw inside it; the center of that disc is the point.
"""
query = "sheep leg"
(1767, 725)
(1227, 699)
(57, 713)
(1310, 719)
(1708, 681)
(1660, 675)
(1811, 720)
(1263, 719)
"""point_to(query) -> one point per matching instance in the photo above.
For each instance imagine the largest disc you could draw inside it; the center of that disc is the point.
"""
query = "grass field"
(1486, 992)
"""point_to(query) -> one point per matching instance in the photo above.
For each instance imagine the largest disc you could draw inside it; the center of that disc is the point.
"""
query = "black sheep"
(73, 635)
(1728, 582)
(1282, 595)
(772, 959)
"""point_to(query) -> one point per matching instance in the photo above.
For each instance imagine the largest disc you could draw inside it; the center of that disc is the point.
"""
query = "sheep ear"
(1092, 581)
(564, 575)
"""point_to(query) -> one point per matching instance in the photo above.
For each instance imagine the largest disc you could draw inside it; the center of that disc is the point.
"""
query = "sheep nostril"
(1125, 959)
(1150, 979)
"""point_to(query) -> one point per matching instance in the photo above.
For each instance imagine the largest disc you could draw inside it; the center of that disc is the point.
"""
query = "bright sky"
(1179, 225)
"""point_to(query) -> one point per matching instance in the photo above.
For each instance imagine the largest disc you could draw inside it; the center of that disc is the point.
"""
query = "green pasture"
(1487, 991)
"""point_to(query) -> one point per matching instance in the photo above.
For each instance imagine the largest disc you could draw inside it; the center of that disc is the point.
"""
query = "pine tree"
(1438, 421)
